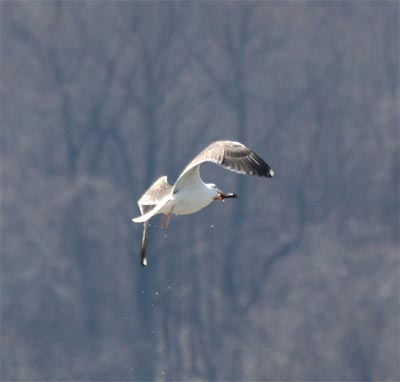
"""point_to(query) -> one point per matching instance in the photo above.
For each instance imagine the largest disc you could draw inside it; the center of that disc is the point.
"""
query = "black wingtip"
(143, 258)
(143, 262)
(259, 166)
(267, 172)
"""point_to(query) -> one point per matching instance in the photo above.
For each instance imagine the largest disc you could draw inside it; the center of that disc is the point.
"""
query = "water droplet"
(165, 235)
(156, 293)
(163, 372)
(212, 225)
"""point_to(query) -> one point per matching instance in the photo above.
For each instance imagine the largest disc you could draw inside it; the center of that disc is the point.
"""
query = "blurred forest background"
(296, 280)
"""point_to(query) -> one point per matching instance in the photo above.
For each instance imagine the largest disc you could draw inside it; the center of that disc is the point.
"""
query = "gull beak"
(222, 196)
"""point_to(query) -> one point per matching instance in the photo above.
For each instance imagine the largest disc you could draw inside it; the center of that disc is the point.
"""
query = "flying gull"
(190, 194)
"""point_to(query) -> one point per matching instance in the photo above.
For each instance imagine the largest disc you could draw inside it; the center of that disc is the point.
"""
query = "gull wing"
(148, 211)
(231, 155)
(156, 192)
(153, 211)
(145, 239)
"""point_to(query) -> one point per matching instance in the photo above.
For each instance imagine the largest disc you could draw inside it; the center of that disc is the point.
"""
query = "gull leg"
(165, 220)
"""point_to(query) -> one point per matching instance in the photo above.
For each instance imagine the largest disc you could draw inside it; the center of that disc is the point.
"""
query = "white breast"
(192, 199)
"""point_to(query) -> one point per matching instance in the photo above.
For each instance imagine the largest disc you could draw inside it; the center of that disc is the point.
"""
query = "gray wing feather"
(156, 192)
(231, 155)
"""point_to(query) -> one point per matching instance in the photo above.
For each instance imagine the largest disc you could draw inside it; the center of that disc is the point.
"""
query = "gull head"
(217, 194)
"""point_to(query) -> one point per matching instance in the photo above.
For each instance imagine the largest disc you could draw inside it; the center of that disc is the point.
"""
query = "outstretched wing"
(145, 239)
(156, 192)
(231, 155)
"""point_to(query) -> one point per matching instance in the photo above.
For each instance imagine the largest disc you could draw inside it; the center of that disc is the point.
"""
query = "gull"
(190, 194)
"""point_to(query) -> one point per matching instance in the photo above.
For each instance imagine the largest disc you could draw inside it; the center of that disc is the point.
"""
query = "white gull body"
(192, 199)
(190, 194)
